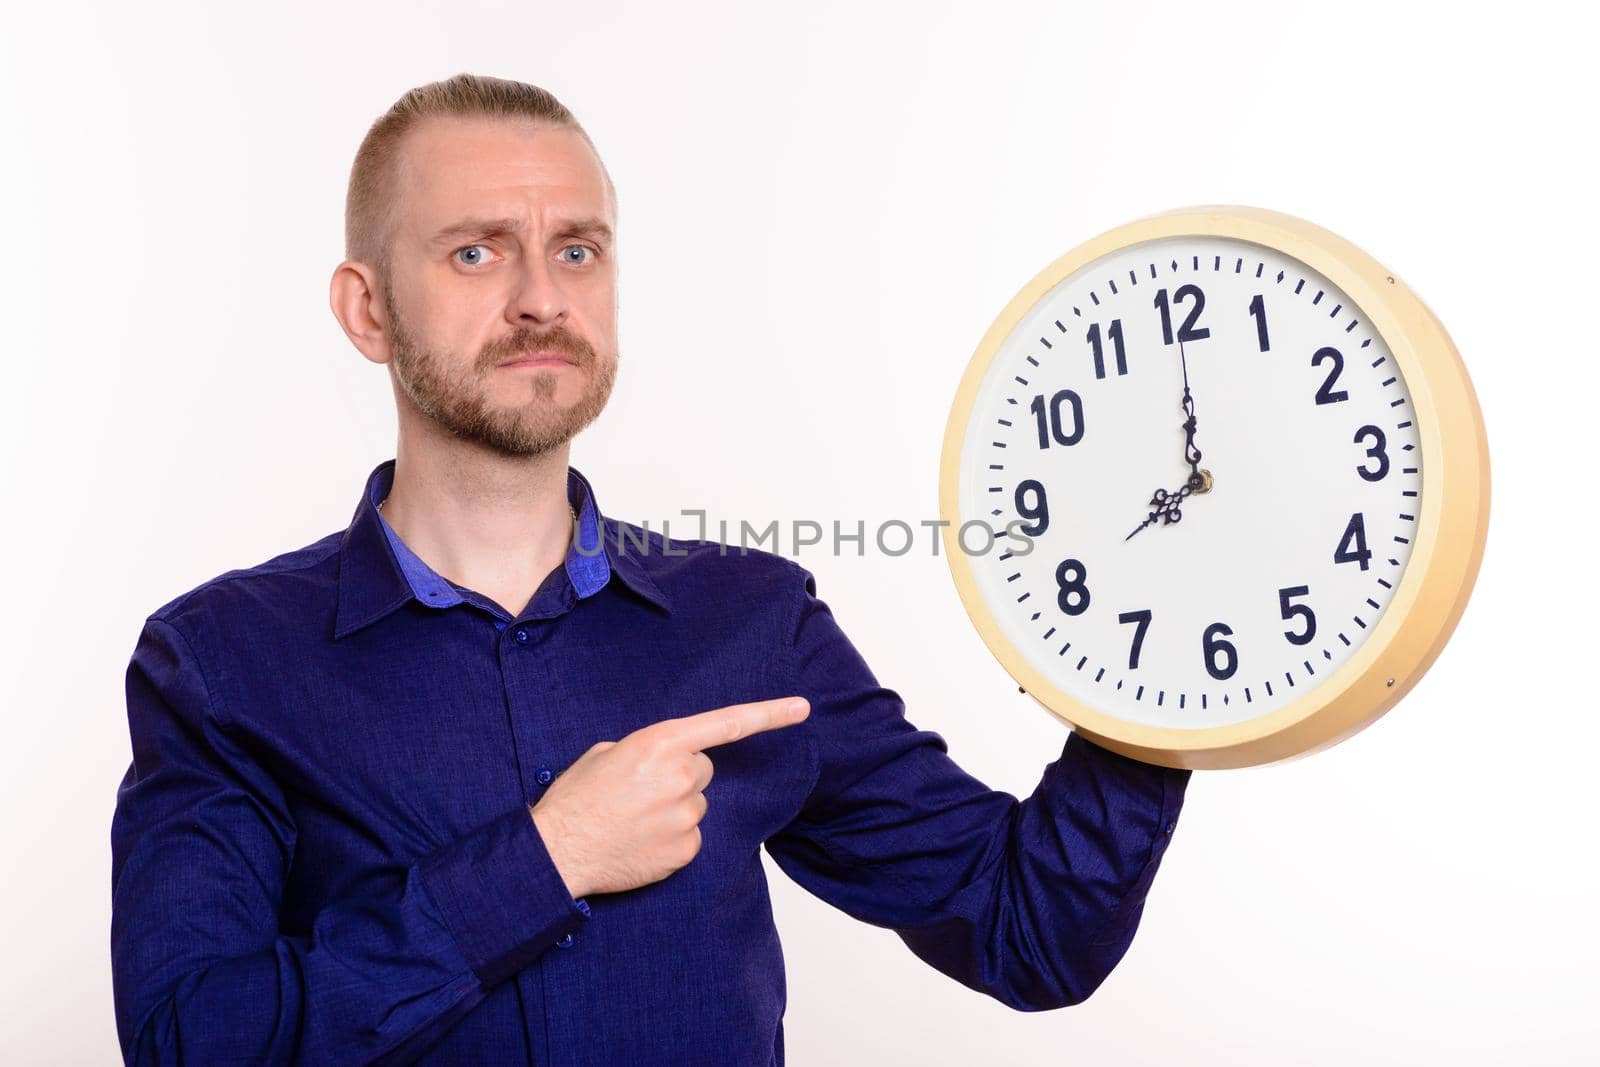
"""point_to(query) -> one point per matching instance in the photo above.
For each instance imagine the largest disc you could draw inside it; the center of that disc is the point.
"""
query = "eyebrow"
(592, 227)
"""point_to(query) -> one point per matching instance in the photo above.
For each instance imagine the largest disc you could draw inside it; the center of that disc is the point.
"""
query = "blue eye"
(468, 248)
(579, 248)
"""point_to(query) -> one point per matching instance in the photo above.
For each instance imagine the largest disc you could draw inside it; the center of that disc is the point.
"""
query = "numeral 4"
(1353, 545)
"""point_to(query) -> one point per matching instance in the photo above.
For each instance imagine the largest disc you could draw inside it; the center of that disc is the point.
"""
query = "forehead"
(454, 168)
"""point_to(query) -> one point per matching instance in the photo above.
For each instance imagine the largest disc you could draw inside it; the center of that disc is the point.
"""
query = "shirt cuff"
(501, 895)
(1162, 788)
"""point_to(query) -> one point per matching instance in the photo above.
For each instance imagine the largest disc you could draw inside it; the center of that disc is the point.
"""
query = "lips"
(541, 357)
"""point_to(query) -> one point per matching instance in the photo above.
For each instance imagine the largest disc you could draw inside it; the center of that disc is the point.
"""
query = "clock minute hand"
(1167, 505)
(1198, 482)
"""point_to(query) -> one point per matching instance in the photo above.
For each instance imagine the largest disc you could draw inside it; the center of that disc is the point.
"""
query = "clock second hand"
(1167, 504)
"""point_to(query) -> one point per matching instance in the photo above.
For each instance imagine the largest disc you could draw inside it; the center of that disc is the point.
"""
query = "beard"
(458, 400)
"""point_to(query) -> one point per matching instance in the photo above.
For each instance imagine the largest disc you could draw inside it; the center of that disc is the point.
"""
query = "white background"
(822, 209)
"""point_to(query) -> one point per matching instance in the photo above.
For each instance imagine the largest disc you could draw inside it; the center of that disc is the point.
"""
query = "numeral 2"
(1327, 394)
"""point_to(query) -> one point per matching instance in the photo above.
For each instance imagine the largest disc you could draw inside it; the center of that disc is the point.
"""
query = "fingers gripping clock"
(1345, 493)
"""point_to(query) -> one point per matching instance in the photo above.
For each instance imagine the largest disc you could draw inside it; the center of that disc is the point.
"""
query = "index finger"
(722, 725)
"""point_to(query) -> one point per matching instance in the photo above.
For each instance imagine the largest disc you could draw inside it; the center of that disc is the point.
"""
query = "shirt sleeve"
(1032, 902)
(202, 842)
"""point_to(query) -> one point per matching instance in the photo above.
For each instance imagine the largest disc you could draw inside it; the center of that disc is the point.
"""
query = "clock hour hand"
(1166, 507)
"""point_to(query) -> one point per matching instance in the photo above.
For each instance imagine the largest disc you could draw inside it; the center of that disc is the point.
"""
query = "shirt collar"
(378, 572)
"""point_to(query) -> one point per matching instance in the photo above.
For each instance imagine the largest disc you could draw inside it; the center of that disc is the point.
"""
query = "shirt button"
(545, 776)
(583, 906)
(565, 942)
(522, 636)
(498, 625)
(1170, 826)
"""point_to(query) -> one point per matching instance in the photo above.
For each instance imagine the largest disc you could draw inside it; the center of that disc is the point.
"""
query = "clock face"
(1201, 608)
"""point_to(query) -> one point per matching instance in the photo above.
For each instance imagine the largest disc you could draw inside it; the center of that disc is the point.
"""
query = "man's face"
(503, 247)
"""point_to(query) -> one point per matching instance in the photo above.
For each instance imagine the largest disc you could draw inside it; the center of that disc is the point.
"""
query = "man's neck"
(495, 524)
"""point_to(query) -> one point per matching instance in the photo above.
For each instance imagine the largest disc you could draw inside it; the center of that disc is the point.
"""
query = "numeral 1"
(1258, 308)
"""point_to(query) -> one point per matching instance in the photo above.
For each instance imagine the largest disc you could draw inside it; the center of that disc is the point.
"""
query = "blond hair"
(369, 200)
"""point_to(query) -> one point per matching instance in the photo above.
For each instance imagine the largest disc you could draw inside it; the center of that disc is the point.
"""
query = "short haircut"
(369, 200)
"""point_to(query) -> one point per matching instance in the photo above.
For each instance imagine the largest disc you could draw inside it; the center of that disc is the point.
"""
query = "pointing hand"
(627, 813)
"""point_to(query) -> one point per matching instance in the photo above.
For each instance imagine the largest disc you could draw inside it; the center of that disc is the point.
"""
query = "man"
(484, 777)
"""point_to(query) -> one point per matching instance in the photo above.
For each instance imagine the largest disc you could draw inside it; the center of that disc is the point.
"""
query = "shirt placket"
(528, 685)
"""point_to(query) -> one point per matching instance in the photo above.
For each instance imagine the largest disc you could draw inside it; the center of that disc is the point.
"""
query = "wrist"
(552, 845)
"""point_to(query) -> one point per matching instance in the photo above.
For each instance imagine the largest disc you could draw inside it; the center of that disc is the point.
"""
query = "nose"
(538, 296)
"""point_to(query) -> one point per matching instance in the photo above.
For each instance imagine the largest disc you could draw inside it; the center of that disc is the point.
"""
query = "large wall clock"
(1235, 482)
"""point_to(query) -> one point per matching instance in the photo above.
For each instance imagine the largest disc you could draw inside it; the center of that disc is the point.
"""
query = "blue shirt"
(322, 850)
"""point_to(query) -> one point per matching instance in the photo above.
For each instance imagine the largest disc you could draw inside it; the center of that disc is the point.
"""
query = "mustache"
(558, 339)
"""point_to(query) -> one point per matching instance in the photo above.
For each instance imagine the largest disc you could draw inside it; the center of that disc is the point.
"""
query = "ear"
(356, 299)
